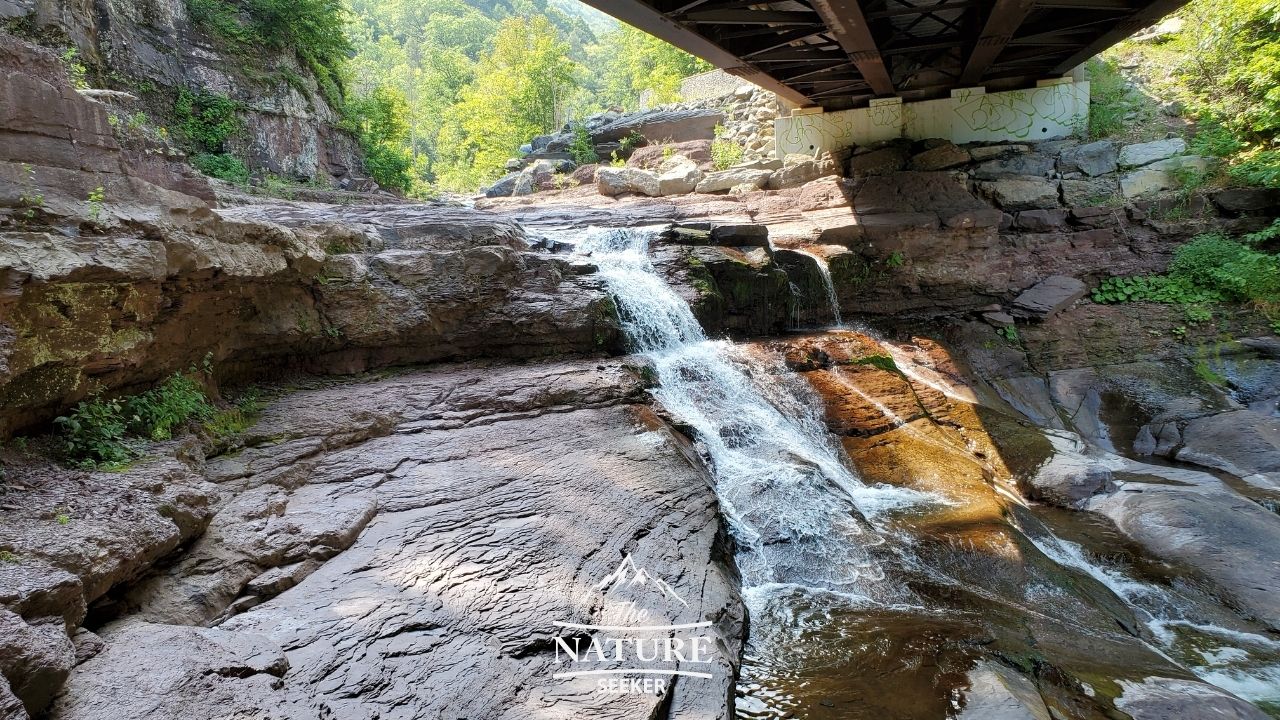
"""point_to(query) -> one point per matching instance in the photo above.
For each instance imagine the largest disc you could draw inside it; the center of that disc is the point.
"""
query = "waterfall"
(824, 270)
(800, 516)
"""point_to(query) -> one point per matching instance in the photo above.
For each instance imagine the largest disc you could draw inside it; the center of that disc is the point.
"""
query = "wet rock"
(942, 157)
(1157, 698)
(1022, 193)
(998, 693)
(1093, 159)
(619, 180)
(1070, 476)
(728, 179)
(879, 162)
(1132, 156)
(1243, 443)
(1049, 296)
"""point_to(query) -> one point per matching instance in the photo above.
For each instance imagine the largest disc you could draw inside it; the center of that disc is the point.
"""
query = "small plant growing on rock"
(896, 259)
(7, 556)
(223, 167)
(75, 69)
(97, 198)
(93, 434)
(616, 161)
(581, 149)
(725, 153)
(1009, 333)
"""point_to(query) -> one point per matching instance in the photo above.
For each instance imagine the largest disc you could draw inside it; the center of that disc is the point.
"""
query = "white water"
(799, 514)
(1244, 663)
(825, 271)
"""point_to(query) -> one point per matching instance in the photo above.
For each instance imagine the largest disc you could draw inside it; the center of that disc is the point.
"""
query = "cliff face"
(154, 49)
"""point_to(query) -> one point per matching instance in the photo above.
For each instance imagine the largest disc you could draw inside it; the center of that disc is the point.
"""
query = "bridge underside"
(840, 54)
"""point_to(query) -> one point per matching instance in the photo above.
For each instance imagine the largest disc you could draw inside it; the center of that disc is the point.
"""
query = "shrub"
(1210, 268)
(222, 166)
(581, 148)
(93, 433)
(1108, 98)
(724, 153)
(206, 120)
(380, 121)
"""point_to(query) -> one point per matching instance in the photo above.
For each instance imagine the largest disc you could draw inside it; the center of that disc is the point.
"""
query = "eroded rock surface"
(448, 518)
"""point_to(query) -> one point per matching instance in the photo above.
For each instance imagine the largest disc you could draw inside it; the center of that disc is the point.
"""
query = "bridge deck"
(842, 53)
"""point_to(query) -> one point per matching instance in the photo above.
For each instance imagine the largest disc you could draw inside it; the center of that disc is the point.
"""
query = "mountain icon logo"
(628, 574)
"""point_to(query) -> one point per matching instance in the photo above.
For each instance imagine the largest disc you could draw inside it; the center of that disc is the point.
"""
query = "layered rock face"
(395, 548)
(290, 128)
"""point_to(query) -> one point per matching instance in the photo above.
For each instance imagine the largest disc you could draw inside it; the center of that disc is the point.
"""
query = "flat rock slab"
(498, 514)
(1049, 296)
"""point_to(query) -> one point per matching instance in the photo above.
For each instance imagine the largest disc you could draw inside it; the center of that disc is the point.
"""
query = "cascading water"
(825, 565)
(800, 516)
(1245, 663)
(824, 270)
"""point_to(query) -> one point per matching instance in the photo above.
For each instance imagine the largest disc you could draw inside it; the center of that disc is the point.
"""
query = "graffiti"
(1015, 114)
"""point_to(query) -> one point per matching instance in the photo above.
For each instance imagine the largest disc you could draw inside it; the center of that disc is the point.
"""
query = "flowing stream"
(825, 564)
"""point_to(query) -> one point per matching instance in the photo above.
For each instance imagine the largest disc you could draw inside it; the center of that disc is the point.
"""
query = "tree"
(521, 89)
(632, 61)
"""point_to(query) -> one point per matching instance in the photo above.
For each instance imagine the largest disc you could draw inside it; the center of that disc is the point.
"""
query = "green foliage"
(235, 420)
(75, 69)
(1265, 235)
(1225, 67)
(522, 88)
(380, 120)
(97, 199)
(1009, 333)
(93, 434)
(222, 166)
(157, 412)
(1211, 268)
(629, 62)
(206, 120)
(1108, 98)
(581, 148)
(895, 259)
(724, 153)
(96, 432)
(7, 556)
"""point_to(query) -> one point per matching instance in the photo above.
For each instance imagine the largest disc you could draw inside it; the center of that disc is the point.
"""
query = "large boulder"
(797, 170)
(1049, 296)
(879, 162)
(1096, 158)
(678, 175)
(1022, 193)
(1243, 443)
(618, 180)
(1248, 201)
(34, 658)
(1090, 192)
(650, 157)
(1132, 156)
(733, 177)
(1161, 175)
(942, 157)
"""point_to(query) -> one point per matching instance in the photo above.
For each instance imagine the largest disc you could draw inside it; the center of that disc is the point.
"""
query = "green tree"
(631, 61)
(380, 119)
(521, 89)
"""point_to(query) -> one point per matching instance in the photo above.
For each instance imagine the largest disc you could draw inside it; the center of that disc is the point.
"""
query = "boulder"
(1041, 220)
(1132, 156)
(1243, 443)
(800, 169)
(987, 152)
(998, 693)
(1022, 193)
(942, 157)
(678, 175)
(650, 157)
(740, 235)
(618, 180)
(728, 179)
(1015, 166)
(35, 658)
(1091, 192)
(879, 162)
(1096, 158)
(1069, 477)
(504, 186)
(1161, 175)
(1247, 201)
(1049, 296)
